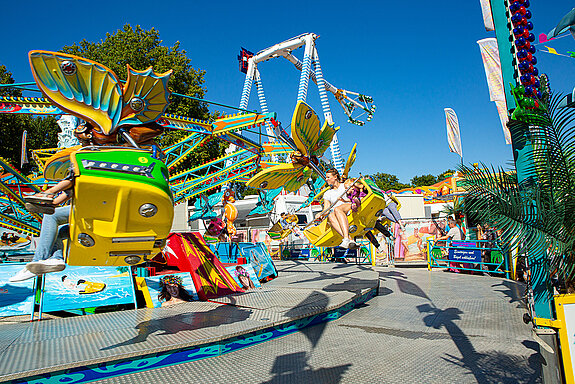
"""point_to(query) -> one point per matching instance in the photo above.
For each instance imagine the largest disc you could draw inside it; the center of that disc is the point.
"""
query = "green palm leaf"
(537, 217)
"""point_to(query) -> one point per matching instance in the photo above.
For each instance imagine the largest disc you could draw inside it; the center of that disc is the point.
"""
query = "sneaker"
(345, 243)
(46, 266)
(40, 208)
(22, 275)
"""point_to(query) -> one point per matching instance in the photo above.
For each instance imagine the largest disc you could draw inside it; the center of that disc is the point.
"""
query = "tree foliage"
(41, 132)
(423, 180)
(386, 182)
(141, 49)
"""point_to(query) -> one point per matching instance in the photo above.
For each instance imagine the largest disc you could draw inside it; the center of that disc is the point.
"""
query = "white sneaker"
(22, 275)
(344, 243)
(46, 266)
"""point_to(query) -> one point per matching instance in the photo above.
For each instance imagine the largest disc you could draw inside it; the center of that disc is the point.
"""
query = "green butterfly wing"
(289, 176)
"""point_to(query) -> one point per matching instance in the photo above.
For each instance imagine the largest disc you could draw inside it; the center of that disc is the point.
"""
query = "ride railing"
(467, 255)
(362, 255)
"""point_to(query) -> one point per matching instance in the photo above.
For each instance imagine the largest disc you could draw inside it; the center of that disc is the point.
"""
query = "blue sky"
(414, 58)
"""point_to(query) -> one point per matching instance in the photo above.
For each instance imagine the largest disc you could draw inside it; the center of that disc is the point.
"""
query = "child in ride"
(355, 193)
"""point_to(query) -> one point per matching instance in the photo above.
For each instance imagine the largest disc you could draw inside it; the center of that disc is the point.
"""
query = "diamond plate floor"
(300, 291)
(424, 327)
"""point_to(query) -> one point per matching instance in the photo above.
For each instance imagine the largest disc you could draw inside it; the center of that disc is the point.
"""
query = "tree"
(386, 182)
(537, 217)
(444, 175)
(423, 180)
(141, 49)
(41, 132)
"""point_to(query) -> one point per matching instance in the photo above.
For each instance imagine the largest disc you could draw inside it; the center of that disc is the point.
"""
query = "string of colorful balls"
(523, 37)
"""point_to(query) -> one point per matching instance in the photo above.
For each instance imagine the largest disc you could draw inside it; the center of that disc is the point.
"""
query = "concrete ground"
(424, 327)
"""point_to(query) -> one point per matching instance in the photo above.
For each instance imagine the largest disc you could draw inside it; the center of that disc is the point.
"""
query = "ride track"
(184, 185)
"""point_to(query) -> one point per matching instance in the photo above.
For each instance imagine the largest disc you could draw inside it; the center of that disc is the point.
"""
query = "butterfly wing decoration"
(93, 92)
(266, 202)
(350, 160)
(289, 176)
(308, 139)
(306, 133)
(58, 165)
(79, 86)
(204, 207)
(305, 127)
(145, 96)
(316, 189)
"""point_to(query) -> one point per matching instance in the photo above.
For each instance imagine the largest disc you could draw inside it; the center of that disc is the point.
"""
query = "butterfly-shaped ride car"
(309, 143)
(122, 209)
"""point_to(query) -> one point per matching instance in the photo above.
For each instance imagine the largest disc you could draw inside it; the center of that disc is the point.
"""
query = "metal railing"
(469, 255)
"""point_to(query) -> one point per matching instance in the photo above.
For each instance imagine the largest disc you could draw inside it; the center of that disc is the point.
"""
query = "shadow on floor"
(184, 322)
(319, 301)
(294, 368)
(490, 367)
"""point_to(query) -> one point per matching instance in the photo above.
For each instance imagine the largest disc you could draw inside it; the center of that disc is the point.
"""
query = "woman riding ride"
(337, 214)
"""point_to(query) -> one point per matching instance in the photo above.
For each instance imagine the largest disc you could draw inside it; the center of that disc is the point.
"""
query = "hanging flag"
(23, 153)
(453, 137)
(543, 38)
(492, 65)
(487, 15)
(550, 50)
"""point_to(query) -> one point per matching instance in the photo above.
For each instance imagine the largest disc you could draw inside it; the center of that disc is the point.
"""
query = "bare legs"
(338, 220)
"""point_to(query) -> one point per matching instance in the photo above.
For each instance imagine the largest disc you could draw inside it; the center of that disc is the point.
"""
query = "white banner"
(492, 65)
(487, 16)
(453, 137)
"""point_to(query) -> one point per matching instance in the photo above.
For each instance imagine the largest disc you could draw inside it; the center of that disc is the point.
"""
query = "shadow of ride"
(294, 368)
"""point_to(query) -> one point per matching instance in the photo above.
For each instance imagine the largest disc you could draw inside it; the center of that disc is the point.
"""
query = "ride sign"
(465, 251)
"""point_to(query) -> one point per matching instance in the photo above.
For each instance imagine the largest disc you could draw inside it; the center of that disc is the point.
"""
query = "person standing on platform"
(454, 234)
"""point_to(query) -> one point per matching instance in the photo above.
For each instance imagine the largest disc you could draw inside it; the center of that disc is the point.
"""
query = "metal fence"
(362, 255)
(469, 255)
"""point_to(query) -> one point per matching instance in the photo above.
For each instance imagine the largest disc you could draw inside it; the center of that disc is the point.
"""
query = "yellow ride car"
(360, 222)
(122, 209)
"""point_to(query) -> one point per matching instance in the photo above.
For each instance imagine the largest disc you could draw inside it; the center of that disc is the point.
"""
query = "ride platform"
(94, 347)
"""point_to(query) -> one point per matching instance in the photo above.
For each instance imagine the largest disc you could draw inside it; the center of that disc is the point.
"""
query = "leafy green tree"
(386, 182)
(444, 175)
(141, 49)
(41, 132)
(423, 180)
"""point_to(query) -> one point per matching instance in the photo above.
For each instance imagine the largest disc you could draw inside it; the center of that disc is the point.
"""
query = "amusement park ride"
(122, 209)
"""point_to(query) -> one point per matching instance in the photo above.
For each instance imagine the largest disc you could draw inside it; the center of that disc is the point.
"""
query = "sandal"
(40, 198)
(40, 208)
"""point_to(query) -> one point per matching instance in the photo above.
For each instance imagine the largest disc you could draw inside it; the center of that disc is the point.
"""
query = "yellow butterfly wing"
(305, 127)
(58, 165)
(145, 96)
(323, 141)
(350, 161)
(79, 86)
(289, 176)
(310, 139)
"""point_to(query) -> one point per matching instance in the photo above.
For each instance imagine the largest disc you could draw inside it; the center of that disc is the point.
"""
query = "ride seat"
(122, 210)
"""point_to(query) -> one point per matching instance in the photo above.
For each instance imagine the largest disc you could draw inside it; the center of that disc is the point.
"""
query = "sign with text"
(465, 251)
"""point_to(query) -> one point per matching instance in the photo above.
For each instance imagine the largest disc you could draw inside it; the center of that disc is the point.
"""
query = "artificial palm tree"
(538, 214)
